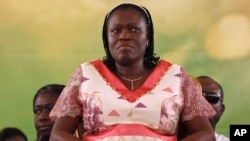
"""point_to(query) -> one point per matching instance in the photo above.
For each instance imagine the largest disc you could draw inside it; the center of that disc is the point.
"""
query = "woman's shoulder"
(169, 64)
(166, 62)
(93, 62)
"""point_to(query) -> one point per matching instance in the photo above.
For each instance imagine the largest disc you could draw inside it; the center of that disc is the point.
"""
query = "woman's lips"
(125, 46)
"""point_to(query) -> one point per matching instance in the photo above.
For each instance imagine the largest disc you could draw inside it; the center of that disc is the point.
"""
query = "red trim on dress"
(121, 130)
(127, 94)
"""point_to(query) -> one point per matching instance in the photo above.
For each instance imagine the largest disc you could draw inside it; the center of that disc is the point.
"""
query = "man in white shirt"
(213, 93)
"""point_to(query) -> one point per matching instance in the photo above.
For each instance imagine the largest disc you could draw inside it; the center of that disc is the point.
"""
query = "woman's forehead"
(126, 17)
(46, 96)
(120, 12)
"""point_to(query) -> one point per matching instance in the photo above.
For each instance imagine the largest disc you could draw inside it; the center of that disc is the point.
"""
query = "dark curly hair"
(150, 58)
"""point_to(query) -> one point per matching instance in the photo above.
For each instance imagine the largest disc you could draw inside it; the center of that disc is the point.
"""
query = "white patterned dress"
(112, 112)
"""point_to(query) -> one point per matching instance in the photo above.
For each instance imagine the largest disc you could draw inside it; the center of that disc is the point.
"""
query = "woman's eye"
(134, 29)
(116, 30)
(37, 111)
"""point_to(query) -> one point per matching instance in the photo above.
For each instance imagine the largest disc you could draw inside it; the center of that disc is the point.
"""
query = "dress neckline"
(116, 84)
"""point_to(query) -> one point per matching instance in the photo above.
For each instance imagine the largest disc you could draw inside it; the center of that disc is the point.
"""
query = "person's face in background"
(127, 36)
(211, 88)
(42, 107)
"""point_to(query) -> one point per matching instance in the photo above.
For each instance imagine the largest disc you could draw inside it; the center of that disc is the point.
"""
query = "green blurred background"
(43, 41)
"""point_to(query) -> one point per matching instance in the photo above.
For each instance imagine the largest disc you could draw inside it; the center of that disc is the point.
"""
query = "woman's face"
(42, 107)
(127, 36)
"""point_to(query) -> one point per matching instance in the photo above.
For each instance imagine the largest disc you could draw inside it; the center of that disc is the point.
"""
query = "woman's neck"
(130, 71)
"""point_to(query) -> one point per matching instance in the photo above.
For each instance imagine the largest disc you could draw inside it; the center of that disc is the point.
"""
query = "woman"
(131, 94)
(43, 101)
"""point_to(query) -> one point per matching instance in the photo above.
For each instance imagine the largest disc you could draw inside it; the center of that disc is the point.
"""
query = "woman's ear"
(222, 108)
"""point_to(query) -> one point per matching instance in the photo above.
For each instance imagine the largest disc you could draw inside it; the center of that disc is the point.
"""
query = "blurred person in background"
(12, 134)
(43, 101)
(213, 93)
(131, 94)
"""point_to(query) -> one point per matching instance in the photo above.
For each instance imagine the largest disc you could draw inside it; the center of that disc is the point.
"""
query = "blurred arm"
(199, 129)
(64, 129)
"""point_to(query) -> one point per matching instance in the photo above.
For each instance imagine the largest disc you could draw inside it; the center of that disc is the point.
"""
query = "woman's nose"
(125, 35)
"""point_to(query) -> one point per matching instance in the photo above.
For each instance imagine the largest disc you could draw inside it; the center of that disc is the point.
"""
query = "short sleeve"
(68, 104)
(194, 103)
